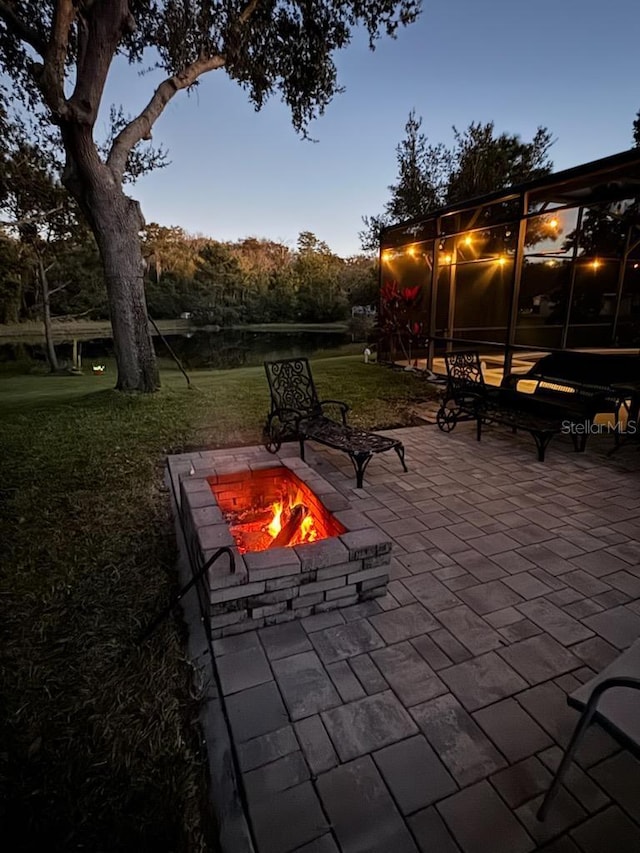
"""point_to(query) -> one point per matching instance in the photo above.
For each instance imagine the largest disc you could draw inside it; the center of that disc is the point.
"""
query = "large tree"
(58, 54)
(423, 172)
(483, 162)
(478, 162)
(319, 295)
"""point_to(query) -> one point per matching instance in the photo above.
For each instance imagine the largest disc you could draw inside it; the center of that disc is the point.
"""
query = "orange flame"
(307, 531)
(275, 525)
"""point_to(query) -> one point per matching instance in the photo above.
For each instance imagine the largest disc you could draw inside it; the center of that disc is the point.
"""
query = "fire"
(275, 525)
(306, 531)
(273, 509)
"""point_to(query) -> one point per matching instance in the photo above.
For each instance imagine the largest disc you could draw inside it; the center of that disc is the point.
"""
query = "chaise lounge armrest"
(344, 407)
(283, 413)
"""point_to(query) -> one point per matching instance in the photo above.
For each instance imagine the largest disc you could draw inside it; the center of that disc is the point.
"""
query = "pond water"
(225, 349)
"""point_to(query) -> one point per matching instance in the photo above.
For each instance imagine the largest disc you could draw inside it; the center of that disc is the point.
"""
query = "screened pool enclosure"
(551, 264)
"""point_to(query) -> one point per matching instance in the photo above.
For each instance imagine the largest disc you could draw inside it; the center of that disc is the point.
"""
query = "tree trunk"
(116, 221)
(46, 317)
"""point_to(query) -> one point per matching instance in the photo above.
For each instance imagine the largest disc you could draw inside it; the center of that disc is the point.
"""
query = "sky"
(570, 65)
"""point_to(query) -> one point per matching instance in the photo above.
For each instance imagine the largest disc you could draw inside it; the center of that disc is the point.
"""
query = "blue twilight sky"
(571, 65)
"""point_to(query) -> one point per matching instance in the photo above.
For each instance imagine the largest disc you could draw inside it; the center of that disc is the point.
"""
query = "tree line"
(252, 280)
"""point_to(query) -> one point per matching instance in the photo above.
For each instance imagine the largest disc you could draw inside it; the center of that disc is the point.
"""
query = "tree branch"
(28, 220)
(100, 29)
(19, 28)
(55, 58)
(62, 317)
(140, 127)
(248, 11)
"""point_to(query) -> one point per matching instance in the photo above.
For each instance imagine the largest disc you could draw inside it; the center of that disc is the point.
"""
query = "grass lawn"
(99, 747)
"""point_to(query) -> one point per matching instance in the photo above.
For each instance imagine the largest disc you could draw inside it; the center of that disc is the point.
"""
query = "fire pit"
(299, 548)
(273, 508)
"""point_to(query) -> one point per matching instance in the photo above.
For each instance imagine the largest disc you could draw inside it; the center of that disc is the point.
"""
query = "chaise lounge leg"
(399, 449)
(360, 462)
(301, 448)
(478, 428)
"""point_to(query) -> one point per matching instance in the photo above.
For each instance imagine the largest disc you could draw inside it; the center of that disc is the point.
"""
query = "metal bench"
(612, 699)
(297, 413)
(468, 397)
(585, 381)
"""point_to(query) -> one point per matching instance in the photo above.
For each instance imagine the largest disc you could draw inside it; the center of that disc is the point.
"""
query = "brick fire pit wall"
(281, 584)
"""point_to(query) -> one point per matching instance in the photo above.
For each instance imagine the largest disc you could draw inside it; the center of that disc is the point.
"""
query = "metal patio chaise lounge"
(298, 413)
(612, 699)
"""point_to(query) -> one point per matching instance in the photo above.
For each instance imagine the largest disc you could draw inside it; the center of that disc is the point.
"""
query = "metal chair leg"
(542, 441)
(583, 724)
(578, 733)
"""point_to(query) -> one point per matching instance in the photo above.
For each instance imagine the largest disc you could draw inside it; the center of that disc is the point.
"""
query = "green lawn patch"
(100, 750)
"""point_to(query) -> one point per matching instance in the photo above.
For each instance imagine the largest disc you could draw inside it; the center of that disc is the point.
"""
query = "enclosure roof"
(614, 177)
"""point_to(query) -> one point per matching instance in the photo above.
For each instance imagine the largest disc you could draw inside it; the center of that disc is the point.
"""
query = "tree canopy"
(423, 173)
(483, 162)
(478, 162)
(268, 47)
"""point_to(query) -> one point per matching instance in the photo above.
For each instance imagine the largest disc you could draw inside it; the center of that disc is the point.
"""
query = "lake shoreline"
(68, 329)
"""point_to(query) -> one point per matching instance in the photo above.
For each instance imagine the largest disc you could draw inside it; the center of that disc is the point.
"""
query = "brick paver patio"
(430, 720)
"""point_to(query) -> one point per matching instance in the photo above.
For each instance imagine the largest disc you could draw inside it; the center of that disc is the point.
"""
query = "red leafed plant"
(397, 322)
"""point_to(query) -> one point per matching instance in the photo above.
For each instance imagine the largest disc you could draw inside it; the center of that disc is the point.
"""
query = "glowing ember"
(273, 508)
(285, 523)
